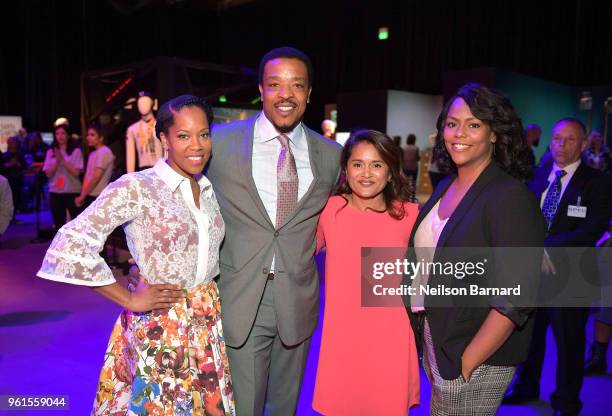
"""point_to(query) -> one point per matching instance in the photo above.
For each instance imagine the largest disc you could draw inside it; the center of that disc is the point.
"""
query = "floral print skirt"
(168, 363)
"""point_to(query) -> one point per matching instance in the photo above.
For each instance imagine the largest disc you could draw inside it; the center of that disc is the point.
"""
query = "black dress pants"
(59, 203)
(568, 326)
(16, 184)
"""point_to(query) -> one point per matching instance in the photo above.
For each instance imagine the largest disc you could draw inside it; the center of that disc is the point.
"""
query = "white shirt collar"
(265, 131)
(570, 169)
(173, 179)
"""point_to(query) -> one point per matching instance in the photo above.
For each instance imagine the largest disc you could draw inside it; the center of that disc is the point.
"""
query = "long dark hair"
(70, 143)
(495, 110)
(398, 188)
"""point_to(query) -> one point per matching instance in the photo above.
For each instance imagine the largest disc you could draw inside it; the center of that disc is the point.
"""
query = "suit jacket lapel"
(314, 159)
(466, 203)
(246, 137)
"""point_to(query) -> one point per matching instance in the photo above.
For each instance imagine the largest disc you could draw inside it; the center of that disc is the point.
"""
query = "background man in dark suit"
(533, 132)
(562, 187)
(272, 176)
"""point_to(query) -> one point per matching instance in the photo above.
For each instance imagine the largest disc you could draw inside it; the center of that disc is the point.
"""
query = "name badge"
(576, 211)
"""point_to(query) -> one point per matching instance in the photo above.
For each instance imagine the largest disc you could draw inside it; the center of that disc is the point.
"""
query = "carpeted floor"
(53, 336)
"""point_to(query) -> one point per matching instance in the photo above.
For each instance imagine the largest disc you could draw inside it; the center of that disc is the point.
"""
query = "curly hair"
(496, 111)
(398, 188)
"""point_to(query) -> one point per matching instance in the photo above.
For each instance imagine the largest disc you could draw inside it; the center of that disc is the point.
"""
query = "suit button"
(276, 234)
(265, 270)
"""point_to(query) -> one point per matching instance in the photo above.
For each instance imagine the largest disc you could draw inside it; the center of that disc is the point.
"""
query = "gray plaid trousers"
(481, 395)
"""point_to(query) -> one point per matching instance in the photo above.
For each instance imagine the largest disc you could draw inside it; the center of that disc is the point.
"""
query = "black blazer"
(595, 192)
(497, 211)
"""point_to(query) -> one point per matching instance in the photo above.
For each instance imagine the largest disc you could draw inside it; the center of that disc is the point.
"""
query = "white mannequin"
(141, 139)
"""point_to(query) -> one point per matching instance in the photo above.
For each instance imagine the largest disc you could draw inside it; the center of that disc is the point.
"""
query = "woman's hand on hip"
(147, 297)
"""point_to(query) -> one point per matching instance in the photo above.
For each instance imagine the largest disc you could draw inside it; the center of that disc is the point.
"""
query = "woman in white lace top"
(166, 352)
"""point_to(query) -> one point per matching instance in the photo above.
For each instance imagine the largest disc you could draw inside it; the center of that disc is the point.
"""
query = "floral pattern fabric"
(170, 363)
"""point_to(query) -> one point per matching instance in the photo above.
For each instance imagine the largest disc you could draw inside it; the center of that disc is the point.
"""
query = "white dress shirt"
(171, 239)
(266, 150)
(569, 169)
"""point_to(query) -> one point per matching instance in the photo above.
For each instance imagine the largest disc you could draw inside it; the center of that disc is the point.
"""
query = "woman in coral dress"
(166, 355)
(368, 361)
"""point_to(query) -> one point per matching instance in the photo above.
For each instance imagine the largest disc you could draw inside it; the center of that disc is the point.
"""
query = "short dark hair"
(575, 121)
(398, 188)
(94, 125)
(533, 126)
(596, 130)
(495, 110)
(289, 53)
(411, 139)
(165, 115)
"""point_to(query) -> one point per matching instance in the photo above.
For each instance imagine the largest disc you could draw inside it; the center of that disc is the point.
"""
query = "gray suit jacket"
(251, 240)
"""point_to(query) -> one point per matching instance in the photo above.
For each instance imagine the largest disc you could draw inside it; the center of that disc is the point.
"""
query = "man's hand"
(79, 200)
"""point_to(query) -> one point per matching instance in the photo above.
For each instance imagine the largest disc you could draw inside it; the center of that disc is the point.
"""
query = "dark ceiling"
(47, 44)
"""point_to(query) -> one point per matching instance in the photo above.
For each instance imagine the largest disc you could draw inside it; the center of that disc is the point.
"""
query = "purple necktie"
(287, 182)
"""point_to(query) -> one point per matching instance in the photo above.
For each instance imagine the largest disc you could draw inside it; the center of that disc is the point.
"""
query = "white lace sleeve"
(74, 255)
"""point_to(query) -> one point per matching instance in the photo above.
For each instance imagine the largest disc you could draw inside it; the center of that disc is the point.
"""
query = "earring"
(493, 149)
(165, 153)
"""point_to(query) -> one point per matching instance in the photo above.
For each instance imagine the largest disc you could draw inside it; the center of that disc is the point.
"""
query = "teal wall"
(541, 102)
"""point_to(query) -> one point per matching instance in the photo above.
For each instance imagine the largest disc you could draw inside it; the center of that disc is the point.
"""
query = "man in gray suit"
(272, 176)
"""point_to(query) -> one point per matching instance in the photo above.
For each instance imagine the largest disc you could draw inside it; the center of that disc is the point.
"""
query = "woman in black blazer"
(471, 351)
